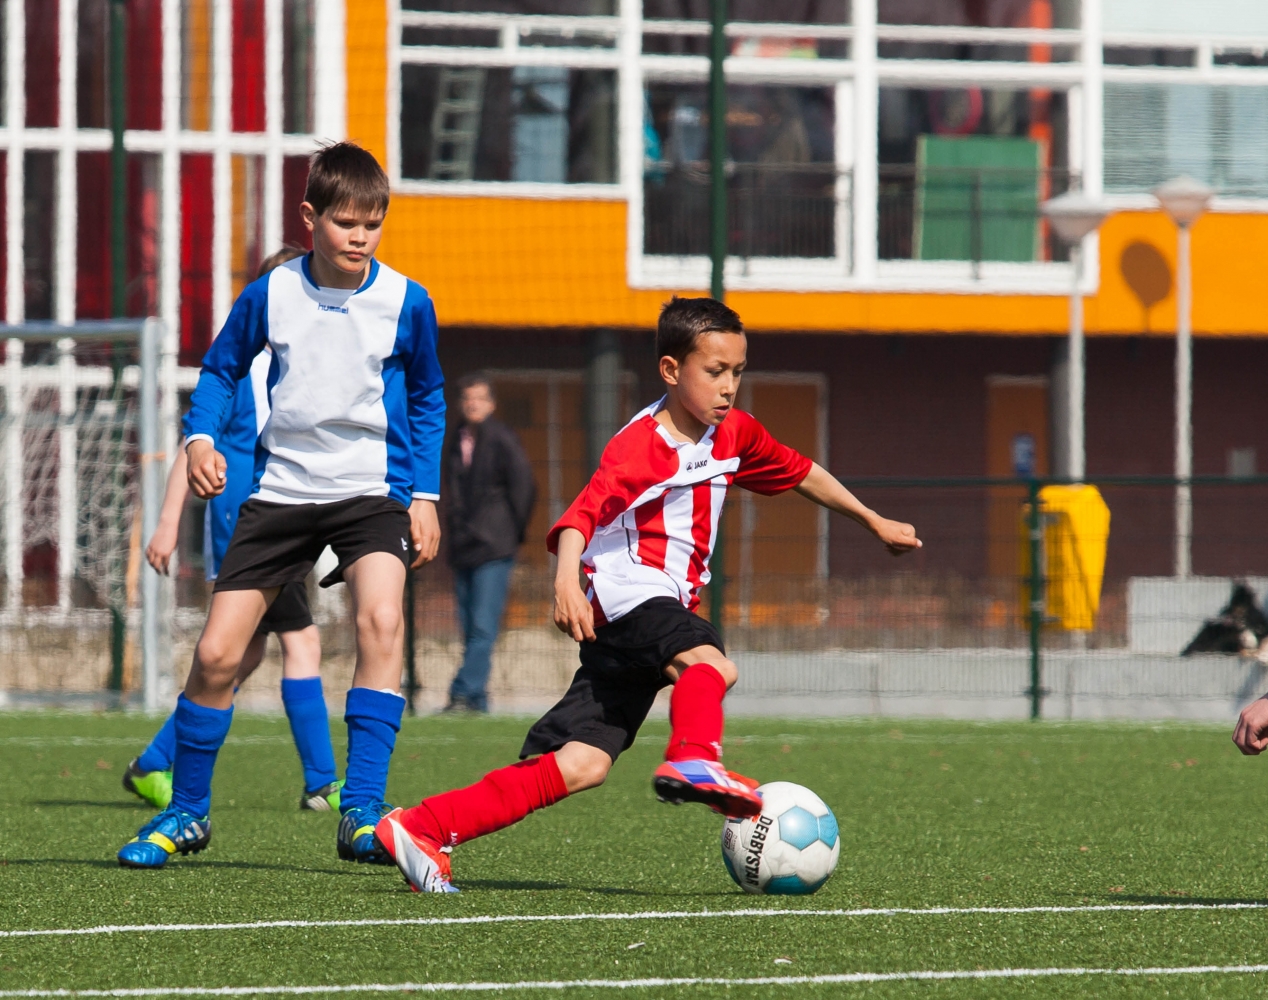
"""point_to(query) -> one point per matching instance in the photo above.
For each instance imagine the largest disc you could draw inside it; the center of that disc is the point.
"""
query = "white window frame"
(169, 142)
(856, 81)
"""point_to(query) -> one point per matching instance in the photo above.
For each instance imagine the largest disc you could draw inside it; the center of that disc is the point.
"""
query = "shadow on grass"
(604, 890)
(183, 865)
(137, 804)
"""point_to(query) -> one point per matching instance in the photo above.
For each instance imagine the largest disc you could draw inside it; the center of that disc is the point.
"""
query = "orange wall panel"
(366, 54)
(527, 262)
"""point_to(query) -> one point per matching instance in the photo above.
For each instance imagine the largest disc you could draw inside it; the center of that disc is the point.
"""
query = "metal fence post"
(152, 468)
(1035, 523)
(717, 243)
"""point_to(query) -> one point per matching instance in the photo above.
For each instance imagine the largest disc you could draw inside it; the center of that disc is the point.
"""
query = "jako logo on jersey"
(692, 466)
(332, 309)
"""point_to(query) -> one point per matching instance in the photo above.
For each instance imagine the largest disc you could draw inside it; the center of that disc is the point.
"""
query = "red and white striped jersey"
(650, 512)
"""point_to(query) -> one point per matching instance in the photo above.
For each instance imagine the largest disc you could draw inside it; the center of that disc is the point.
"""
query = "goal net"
(74, 449)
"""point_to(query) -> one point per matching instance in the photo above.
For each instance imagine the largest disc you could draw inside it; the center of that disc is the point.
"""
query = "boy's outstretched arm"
(573, 614)
(822, 487)
(163, 541)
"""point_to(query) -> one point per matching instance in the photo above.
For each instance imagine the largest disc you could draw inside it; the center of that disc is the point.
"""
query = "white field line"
(935, 911)
(629, 984)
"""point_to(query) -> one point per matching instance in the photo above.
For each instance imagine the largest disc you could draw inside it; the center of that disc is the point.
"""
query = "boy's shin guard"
(497, 800)
(200, 733)
(310, 726)
(374, 719)
(695, 715)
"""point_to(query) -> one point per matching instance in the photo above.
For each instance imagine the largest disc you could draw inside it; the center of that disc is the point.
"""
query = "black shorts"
(289, 611)
(620, 673)
(278, 543)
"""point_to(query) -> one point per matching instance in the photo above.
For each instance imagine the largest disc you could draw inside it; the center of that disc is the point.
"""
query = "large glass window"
(528, 123)
(659, 41)
(41, 62)
(781, 188)
(962, 173)
(980, 46)
(564, 7)
(39, 206)
(144, 64)
(248, 66)
(94, 273)
(1155, 131)
(196, 65)
(298, 29)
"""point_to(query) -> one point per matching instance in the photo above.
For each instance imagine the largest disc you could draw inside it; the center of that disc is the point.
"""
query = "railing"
(968, 213)
(970, 624)
(773, 210)
(975, 214)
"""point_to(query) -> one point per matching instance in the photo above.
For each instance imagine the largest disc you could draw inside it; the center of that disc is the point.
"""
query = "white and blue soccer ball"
(789, 849)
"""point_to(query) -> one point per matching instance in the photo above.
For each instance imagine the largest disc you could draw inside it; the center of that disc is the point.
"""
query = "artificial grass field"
(932, 814)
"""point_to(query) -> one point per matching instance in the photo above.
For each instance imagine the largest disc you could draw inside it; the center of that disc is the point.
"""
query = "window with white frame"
(511, 93)
(908, 143)
(222, 107)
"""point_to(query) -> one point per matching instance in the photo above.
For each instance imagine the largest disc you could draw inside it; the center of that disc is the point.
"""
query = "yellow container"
(1076, 525)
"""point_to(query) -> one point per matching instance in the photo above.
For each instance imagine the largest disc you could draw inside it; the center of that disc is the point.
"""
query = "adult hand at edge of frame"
(1251, 734)
(898, 537)
(424, 531)
(206, 469)
(574, 616)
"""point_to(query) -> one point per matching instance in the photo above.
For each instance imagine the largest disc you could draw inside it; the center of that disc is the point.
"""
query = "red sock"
(695, 715)
(500, 798)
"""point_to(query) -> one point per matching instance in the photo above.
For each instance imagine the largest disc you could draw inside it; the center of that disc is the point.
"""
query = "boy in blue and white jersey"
(149, 776)
(349, 457)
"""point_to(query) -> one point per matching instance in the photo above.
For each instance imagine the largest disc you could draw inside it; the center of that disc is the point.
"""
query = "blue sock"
(200, 733)
(310, 725)
(158, 756)
(374, 719)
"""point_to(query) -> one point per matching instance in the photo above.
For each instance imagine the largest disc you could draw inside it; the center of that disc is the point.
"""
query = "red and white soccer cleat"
(424, 864)
(707, 781)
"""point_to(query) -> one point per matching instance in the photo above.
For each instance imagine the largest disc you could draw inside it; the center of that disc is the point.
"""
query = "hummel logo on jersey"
(691, 466)
(332, 309)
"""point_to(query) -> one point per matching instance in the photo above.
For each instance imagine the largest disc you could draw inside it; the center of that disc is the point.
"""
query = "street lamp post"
(1074, 216)
(1184, 199)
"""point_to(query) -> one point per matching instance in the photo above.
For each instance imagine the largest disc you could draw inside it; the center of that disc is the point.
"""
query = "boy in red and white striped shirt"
(642, 531)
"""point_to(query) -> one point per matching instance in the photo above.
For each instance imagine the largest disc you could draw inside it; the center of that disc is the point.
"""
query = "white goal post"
(86, 449)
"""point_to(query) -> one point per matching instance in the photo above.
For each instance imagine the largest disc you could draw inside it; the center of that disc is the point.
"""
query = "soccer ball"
(789, 849)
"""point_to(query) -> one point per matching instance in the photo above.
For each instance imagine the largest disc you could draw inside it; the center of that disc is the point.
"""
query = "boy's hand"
(898, 537)
(206, 469)
(1251, 726)
(573, 614)
(424, 531)
(162, 544)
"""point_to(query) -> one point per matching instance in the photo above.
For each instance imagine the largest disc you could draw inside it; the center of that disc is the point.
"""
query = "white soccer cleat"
(425, 865)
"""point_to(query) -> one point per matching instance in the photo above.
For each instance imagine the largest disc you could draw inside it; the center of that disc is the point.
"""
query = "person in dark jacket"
(490, 493)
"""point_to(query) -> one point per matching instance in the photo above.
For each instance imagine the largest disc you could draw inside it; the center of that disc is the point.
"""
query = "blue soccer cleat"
(355, 841)
(170, 832)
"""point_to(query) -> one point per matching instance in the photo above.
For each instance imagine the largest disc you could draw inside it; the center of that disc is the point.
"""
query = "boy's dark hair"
(343, 174)
(278, 258)
(683, 321)
(472, 379)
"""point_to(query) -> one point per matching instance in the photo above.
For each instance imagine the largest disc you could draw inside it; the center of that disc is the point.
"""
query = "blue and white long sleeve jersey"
(355, 387)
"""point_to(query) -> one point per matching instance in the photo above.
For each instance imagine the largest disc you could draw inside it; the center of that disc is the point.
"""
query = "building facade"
(907, 302)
